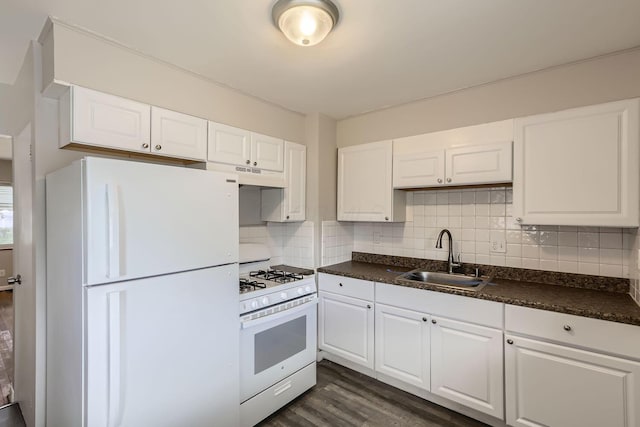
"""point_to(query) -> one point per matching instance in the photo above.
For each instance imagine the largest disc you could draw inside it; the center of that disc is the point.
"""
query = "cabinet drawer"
(612, 337)
(348, 286)
(481, 312)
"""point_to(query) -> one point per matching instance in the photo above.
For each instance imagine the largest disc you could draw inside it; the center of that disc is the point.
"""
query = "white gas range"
(278, 334)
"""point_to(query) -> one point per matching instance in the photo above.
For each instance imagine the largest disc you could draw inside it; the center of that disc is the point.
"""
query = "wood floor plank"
(346, 398)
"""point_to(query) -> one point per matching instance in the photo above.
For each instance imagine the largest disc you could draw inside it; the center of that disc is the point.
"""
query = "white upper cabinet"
(240, 147)
(288, 204)
(267, 152)
(229, 145)
(465, 156)
(578, 167)
(178, 135)
(365, 190)
(93, 118)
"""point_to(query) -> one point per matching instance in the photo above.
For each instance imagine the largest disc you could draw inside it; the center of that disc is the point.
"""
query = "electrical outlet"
(376, 237)
(499, 246)
(3, 273)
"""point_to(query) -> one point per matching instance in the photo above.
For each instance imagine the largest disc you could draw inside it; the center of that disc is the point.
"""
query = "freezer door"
(164, 351)
(144, 220)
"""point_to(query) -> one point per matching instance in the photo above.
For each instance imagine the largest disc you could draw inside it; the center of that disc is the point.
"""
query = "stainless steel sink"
(460, 281)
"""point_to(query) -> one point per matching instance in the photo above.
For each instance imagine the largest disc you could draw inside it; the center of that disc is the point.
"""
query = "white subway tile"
(588, 268)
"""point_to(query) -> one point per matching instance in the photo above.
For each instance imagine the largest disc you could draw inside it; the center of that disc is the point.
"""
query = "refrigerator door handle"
(114, 354)
(113, 231)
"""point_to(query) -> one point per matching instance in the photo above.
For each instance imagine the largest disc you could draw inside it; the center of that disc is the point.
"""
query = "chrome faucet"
(452, 264)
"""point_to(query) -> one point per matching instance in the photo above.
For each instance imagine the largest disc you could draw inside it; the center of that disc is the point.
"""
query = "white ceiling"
(382, 53)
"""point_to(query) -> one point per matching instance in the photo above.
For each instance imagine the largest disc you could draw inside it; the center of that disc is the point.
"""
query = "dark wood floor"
(6, 345)
(344, 397)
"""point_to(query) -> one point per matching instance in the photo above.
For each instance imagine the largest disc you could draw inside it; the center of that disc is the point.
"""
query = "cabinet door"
(424, 169)
(345, 328)
(296, 177)
(467, 365)
(132, 363)
(578, 167)
(229, 145)
(553, 385)
(365, 182)
(402, 345)
(178, 135)
(109, 121)
(267, 152)
(479, 164)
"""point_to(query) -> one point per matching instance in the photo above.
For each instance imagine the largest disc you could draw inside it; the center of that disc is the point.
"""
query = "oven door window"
(277, 344)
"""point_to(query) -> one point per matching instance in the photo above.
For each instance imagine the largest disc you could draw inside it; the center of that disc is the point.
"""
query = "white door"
(365, 182)
(553, 385)
(164, 351)
(109, 121)
(345, 328)
(479, 164)
(229, 145)
(24, 295)
(178, 135)
(402, 345)
(578, 167)
(296, 177)
(423, 169)
(267, 152)
(141, 217)
(467, 364)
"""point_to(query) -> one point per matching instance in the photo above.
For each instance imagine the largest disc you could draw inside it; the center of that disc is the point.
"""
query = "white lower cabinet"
(345, 327)
(402, 345)
(467, 365)
(554, 385)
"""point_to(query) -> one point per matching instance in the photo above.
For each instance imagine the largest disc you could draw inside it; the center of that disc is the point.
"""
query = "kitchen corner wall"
(476, 217)
(289, 243)
(337, 242)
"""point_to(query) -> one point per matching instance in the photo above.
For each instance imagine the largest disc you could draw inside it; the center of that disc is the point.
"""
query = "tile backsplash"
(337, 242)
(478, 217)
(289, 243)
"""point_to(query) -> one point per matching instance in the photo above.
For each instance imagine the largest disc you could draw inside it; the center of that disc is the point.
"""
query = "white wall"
(603, 79)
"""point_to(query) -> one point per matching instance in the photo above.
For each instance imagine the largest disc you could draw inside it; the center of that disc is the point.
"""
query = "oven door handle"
(246, 324)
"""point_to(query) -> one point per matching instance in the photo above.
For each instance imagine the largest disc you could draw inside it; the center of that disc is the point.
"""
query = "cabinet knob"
(434, 321)
(369, 306)
(255, 163)
(448, 179)
(439, 180)
(386, 218)
(248, 162)
(509, 341)
(287, 216)
(145, 145)
(566, 328)
(158, 147)
(340, 284)
(519, 219)
(424, 319)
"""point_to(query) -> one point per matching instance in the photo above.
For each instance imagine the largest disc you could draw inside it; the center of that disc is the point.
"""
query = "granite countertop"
(599, 304)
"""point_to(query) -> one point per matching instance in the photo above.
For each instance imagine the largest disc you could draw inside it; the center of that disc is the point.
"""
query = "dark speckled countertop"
(564, 298)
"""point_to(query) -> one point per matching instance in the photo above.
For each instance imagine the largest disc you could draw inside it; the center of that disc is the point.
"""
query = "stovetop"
(269, 278)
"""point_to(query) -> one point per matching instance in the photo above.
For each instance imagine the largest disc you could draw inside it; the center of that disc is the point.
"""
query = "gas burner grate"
(278, 276)
(247, 285)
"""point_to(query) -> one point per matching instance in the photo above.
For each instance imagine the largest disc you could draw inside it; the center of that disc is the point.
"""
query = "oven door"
(275, 346)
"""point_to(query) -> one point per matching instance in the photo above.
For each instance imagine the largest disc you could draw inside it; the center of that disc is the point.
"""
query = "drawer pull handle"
(509, 341)
(340, 284)
(434, 321)
(567, 328)
(369, 306)
(424, 319)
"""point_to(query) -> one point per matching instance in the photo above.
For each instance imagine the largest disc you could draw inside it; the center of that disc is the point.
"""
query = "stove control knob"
(265, 301)
(254, 304)
(283, 295)
(300, 291)
(307, 289)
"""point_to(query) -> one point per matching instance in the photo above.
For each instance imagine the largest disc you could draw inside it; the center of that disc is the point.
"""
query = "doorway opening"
(6, 271)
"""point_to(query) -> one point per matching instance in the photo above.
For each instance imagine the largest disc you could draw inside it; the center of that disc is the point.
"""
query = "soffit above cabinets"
(379, 54)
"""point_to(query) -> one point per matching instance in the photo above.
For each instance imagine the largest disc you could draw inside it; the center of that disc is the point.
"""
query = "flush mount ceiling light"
(305, 22)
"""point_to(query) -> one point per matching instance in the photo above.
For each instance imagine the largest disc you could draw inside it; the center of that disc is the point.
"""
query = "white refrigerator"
(142, 296)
